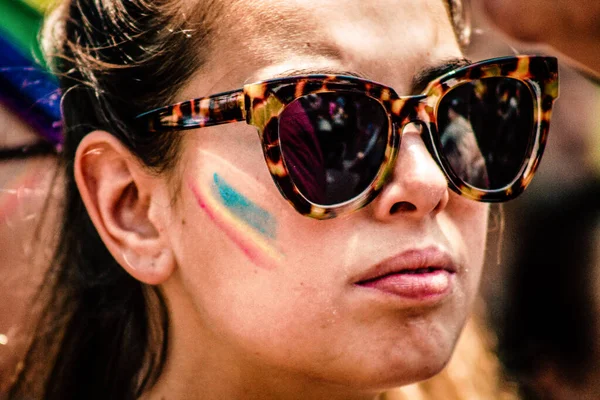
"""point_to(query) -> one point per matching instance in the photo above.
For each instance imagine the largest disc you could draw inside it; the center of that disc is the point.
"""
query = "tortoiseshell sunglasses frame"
(260, 104)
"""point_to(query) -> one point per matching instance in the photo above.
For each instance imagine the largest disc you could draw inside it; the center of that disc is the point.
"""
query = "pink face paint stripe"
(229, 234)
(260, 252)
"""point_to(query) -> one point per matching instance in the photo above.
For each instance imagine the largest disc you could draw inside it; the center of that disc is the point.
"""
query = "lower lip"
(427, 286)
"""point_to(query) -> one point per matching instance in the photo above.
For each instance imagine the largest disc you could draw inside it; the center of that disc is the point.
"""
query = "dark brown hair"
(100, 333)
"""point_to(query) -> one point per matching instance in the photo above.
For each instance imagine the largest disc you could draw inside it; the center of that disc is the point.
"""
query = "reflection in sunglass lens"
(486, 129)
(333, 144)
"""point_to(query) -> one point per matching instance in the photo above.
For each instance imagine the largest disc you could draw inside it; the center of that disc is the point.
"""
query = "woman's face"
(272, 290)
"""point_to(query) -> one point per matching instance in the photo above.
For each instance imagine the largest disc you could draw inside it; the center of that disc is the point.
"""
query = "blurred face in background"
(27, 211)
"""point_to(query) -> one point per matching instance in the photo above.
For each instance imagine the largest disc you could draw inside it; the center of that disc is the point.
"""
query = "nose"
(418, 187)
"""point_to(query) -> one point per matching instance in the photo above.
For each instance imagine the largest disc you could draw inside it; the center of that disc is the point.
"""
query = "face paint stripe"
(234, 238)
(244, 209)
(251, 243)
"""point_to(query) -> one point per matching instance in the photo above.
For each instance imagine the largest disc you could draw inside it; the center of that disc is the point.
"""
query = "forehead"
(384, 40)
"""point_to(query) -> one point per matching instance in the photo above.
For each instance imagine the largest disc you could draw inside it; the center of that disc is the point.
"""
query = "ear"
(121, 198)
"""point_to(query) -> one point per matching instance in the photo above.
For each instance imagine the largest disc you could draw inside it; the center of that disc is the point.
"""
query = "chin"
(425, 370)
(402, 371)
(415, 360)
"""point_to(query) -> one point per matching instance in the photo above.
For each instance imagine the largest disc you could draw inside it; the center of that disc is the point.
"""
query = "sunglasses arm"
(202, 112)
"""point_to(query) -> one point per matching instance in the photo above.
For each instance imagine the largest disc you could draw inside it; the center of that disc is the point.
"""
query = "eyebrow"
(423, 77)
(418, 84)
(319, 71)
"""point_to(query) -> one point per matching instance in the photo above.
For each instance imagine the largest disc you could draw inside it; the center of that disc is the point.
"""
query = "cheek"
(468, 223)
(231, 254)
(251, 221)
(250, 229)
(243, 265)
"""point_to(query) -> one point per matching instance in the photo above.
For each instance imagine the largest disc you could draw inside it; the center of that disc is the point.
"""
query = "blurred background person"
(549, 335)
(540, 295)
(571, 27)
(29, 141)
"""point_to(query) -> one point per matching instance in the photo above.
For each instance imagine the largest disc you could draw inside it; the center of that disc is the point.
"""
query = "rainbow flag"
(26, 87)
(41, 6)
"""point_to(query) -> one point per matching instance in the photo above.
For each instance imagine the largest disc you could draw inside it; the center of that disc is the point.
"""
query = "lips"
(426, 274)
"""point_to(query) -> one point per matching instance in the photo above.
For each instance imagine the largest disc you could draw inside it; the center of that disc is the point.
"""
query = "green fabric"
(40, 6)
(21, 25)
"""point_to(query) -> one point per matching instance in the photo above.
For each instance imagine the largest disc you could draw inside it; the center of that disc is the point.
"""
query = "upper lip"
(410, 260)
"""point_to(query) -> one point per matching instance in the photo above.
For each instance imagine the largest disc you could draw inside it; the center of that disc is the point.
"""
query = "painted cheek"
(244, 209)
(251, 228)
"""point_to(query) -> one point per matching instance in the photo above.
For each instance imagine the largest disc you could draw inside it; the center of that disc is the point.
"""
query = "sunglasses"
(330, 142)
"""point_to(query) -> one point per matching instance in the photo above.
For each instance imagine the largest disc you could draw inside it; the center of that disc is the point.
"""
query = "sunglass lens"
(333, 144)
(486, 128)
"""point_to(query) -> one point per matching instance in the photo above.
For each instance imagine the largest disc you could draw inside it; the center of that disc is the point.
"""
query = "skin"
(570, 27)
(24, 236)
(295, 327)
(242, 208)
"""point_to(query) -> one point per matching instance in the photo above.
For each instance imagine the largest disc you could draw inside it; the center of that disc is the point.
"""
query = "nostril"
(402, 206)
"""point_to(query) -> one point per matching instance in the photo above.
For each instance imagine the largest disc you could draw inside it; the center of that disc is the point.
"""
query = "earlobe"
(118, 193)
(151, 268)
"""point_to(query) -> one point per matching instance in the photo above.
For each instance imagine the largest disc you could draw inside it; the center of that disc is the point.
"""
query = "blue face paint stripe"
(248, 212)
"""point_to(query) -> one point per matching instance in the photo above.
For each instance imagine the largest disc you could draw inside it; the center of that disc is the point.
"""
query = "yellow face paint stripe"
(252, 243)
